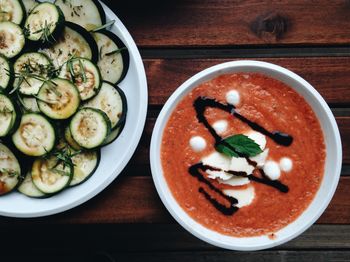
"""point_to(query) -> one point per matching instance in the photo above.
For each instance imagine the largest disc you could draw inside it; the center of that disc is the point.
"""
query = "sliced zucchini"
(35, 135)
(51, 176)
(44, 23)
(85, 164)
(6, 72)
(58, 98)
(75, 41)
(112, 101)
(90, 127)
(70, 140)
(28, 188)
(31, 70)
(12, 10)
(8, 115)
(86, 13)
(10, 170)
(12, 39)
(113, 56)
(84, 74)
(30, 105)
(29, 5)
(113, 135)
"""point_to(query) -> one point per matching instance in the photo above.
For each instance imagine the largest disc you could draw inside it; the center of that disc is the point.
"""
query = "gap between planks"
(245, 52)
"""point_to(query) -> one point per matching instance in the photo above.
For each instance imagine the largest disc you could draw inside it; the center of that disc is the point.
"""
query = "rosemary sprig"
(45, 31)
(64, 156)
(82, 71)
(73, 72)
(108, 24)
(117, 51)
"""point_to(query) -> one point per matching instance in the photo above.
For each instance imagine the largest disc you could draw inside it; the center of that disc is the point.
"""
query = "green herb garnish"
(46, 36)
(116, 51)
(108, 24)
(235, 145)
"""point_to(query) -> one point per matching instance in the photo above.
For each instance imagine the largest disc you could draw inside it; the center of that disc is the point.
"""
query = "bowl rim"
(164, 191)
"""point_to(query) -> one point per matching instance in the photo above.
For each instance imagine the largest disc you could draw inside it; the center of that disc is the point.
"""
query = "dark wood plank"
(195, 256)
(223, 256)
(200, 23)
(152, 238)
(135, 200)
(329, 75)
(141, 157)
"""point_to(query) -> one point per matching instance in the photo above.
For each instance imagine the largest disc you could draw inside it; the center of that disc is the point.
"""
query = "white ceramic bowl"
(332, 165)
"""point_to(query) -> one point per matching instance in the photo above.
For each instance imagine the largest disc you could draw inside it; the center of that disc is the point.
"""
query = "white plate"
(332, 164)
(114, 157)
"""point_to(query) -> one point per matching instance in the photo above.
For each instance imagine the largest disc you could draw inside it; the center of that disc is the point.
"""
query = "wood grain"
(88, 255)
(329, 75)
(218, 23)
(135, 200)
(152, 238)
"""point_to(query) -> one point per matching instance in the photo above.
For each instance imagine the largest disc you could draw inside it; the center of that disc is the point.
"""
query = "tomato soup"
(243, 154)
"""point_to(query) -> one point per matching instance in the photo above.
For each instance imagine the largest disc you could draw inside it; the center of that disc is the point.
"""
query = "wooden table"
(177, 39)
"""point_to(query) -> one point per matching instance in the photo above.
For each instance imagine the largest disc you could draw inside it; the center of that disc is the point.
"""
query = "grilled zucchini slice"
(28, 188)
(10, 170)
(58, 98)
(51, 176)
(70, 140)
(12, 39)
(84, 74)
(6, 72)
(113, 56)
(35, 135)
(32, 69)
(12, 10)
(8, 115)
(112, 101)
(85, 164)
(75, 41)
(44, 23)
(86, 13)
(90, 127)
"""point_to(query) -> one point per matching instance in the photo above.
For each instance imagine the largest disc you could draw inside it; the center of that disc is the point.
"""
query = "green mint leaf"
(238, 144)
(221, 148)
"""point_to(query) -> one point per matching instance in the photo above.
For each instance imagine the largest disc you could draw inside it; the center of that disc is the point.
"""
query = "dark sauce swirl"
(200, 105)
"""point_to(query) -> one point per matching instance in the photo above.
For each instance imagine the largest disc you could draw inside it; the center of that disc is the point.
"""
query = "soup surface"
(261, 178)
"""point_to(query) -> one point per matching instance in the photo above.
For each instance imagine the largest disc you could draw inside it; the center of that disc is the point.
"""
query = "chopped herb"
(116, 51)
(108, 24)
(82, 71)
(46, 36)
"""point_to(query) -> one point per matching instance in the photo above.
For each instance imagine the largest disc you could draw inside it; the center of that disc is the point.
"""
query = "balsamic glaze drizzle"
(200, 105)
(194, 170)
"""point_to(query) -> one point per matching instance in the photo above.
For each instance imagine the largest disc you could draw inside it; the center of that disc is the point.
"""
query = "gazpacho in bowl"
(242, 153)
